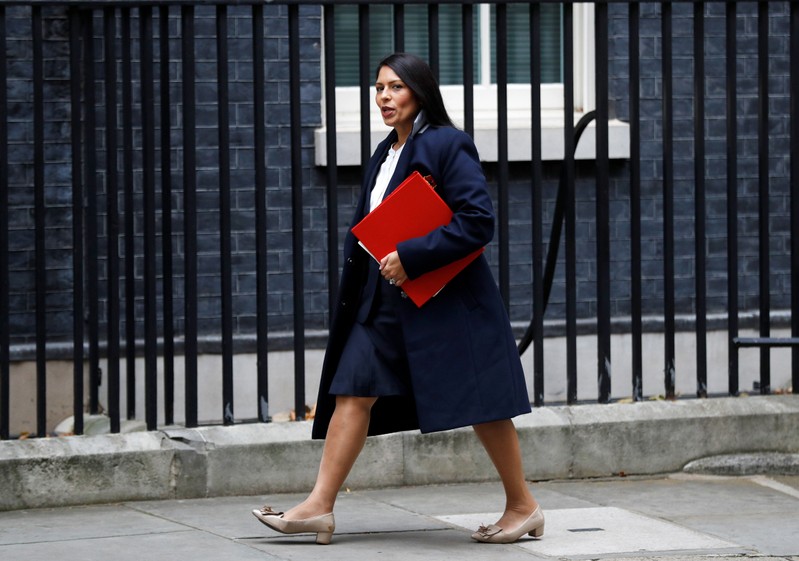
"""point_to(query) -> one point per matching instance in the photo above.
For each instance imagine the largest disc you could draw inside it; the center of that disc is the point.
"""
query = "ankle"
(303, 511)
(321, 503)
(522, 507)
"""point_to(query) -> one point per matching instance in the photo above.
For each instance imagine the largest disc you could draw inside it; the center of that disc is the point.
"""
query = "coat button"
(343, 304)
(402, 293)
(349, 260)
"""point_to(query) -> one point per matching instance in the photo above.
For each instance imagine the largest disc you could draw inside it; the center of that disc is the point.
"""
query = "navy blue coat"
(464, 365)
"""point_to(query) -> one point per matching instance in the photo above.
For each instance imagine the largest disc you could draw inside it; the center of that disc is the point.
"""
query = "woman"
(391, 366)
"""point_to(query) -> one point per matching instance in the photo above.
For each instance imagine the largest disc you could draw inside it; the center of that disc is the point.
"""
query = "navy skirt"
(373, 362)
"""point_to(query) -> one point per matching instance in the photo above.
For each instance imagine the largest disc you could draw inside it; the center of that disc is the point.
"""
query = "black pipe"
(558, 217)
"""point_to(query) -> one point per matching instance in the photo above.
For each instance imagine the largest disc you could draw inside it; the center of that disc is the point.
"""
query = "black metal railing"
(141, 138)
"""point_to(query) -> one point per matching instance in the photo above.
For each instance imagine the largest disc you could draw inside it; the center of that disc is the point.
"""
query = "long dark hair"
(419, 77)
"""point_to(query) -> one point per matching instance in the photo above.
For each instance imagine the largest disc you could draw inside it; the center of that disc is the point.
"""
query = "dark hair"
(419, 77)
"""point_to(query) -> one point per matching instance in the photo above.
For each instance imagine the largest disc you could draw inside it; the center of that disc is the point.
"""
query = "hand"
(391, 268)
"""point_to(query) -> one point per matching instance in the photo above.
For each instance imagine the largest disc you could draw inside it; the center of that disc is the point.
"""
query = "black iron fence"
(105, 193)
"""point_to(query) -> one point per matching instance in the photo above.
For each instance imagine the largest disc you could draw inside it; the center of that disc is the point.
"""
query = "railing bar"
(602, 202)
(78, 299)
(467, 18)
(502, 152)
(765, 342)
(732, 196)
(166, 219)
(130, 215)
(635, 200)
(189, 213)
(537, 199)
(226, 296)
(5, 336)
(433, 42)
(332, 155)
(262, 309)
(366, 78)
(668, 201)
(399, 27)
(148, 188)
(297, 212)
(699, 200)
(570, 214)
(112, 215)
(40, 224)
(91, 251)
(763, 191)
(794, 65)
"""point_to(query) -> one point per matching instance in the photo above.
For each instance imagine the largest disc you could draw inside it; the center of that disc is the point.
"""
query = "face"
(398, 106)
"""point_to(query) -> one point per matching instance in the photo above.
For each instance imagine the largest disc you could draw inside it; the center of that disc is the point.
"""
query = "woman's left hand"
(392, 270)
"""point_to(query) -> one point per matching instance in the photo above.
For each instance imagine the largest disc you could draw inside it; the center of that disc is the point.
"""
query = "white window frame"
(348, 114)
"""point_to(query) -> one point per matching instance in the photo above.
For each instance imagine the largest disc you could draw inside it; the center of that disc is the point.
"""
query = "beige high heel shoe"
(533, 526)
(323, 525)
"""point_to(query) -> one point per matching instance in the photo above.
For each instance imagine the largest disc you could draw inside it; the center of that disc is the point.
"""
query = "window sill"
(348, 151)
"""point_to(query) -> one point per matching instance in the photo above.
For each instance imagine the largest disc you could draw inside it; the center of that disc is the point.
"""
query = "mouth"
(387, 112)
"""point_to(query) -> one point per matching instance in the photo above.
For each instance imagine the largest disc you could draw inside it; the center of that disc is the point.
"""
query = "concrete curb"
(558, 443)
(764, 463)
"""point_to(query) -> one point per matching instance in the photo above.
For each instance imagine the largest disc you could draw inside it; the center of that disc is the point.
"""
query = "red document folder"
(412, 210)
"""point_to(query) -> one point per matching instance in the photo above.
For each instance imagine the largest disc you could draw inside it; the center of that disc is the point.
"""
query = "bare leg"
(501, 442)
(345, 439)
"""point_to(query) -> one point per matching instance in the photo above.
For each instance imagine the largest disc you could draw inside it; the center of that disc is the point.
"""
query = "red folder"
(412, 210)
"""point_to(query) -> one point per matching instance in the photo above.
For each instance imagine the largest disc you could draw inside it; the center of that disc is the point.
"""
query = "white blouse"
(384, 176)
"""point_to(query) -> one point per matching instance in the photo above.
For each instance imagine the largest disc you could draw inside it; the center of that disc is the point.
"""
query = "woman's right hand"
(392, 270)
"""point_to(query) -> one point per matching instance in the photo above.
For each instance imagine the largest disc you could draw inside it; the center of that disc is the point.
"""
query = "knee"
(493, 427)
(355, 405)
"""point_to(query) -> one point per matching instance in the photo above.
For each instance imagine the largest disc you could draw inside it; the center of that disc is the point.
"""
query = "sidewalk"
(674, 518)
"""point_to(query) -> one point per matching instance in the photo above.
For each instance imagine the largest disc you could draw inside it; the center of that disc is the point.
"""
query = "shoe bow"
(268, 511)
(488, 531)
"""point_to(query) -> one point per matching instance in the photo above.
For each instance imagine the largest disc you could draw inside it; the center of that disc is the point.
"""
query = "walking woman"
(391, 366)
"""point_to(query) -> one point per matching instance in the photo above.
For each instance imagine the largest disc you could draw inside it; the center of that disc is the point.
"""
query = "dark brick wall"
(57, 181)
(279, 226)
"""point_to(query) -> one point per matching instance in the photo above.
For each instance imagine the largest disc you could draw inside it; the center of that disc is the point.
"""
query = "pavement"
(676, 517)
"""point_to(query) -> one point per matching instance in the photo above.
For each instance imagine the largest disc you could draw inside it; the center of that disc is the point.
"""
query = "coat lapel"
(403, 166)
(371, 174)
(401, 172)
